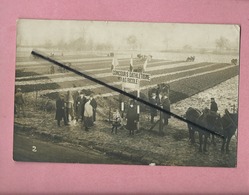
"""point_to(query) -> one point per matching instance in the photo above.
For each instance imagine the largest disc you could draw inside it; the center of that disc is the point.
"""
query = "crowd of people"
(79, 106)
(161, 100)
(131, 118)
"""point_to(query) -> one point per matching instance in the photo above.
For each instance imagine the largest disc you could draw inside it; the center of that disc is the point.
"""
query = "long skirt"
(88, 121)
(131, 125)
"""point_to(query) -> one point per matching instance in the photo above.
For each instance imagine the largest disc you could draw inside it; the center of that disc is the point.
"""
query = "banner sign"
(129, 80)
(128, 74)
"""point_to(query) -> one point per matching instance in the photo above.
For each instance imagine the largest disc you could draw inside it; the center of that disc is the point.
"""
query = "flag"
(131, 64)
(114, 63)
(145, 65)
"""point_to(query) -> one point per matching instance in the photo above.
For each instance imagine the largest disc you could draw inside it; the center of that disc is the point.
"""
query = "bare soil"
(172, 149)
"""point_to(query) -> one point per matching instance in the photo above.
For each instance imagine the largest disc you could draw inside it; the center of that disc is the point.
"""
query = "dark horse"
(225, 126)
(230, 125)
(204, 119)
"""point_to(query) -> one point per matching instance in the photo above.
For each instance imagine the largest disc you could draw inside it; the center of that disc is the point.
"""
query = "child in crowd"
(116, 121)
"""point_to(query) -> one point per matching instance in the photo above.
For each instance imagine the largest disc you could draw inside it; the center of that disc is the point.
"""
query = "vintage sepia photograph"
(135, 93)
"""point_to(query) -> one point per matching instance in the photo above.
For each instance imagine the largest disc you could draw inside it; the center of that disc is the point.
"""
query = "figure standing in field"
(213, 106)
(166, 106)
(116, 121)
(132, 118)
(88, 115)
(211, 118)
(94, 105)
(60, 110)
(75, 95)
(19, 103)
(153, 111)
(69, 106)
(81, 100)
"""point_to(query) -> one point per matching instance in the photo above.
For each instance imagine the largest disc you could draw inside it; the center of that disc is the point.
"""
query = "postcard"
(137, 93)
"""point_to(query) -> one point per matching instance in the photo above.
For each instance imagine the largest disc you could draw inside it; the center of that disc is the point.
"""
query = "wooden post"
(160, 122)
(138, 106)
(122, 105)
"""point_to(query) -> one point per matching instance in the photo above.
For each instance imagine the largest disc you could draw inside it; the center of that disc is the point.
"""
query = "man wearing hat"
(153, 111)
(213, 106)
(69, 106)
(94, 104)
(60, 110)
(80, 104)
(132, 118)
(19, 102)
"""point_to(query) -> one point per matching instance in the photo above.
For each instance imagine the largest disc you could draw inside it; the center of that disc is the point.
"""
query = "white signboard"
(129, 80)
(128, 74)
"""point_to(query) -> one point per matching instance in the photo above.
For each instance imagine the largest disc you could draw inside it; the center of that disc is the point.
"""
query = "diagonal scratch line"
(123, 92)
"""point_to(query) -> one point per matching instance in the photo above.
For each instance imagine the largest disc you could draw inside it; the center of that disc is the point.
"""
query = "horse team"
(224, 126)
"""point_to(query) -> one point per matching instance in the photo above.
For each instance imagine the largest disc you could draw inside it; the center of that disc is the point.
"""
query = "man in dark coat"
(19, 102)
(213, 106)
(81, 100)
(94, 105)
(212, 116)
(153, 111)
(75, 95)
(132, 118)
(60, 110)
(69, 106)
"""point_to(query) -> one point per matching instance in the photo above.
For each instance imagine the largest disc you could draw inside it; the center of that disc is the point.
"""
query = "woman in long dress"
(88, 115)
(69, 106)
(166, 106)
(132, 118)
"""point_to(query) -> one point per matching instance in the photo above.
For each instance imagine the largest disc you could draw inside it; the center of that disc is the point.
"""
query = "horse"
(225, 126)
(230, 125)
(204, 119)
(190, 59)
(234, 61)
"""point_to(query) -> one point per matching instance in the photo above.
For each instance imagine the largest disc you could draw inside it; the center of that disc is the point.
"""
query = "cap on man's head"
(212, 98)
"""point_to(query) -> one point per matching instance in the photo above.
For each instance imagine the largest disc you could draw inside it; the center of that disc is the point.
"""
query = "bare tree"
(104, 47)
(187, 48)
(132, 42)
(222, 43)
(78, 44)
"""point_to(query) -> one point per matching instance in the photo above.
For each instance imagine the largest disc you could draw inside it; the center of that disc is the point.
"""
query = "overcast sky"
(150, 36)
